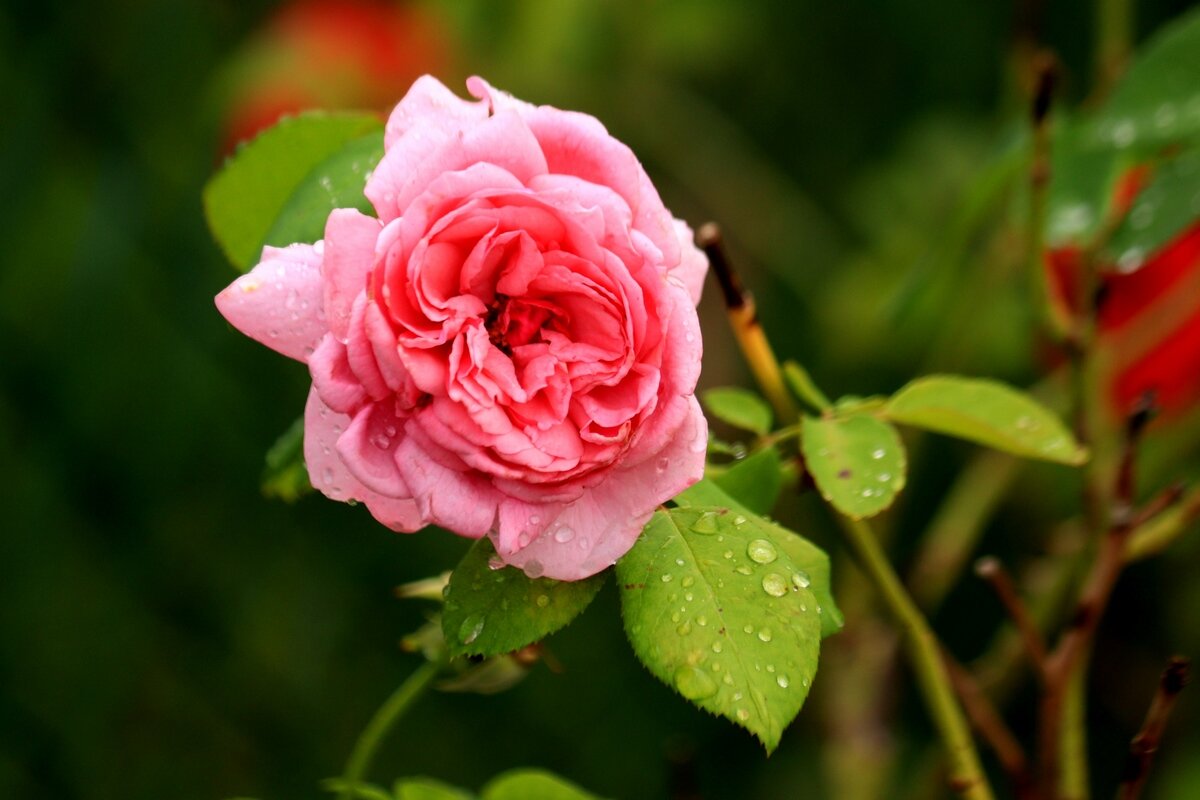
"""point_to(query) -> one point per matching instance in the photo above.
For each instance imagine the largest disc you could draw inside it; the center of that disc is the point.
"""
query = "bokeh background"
(166, 632)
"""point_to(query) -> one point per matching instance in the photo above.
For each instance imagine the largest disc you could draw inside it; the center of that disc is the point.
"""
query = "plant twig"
(1114, 41)
(392, 710)
(991, 570)
(1067, 656)
(743, 318)
(1145, 743)
(992, 727)
(925, 654)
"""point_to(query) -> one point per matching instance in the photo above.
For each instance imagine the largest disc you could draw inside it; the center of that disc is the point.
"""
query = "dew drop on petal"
(564, 534)
(534, 569)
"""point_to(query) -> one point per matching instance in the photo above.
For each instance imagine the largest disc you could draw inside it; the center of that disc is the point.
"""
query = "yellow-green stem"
(1114, 41)
(966, 774)
(1072, 758)
(392, 710)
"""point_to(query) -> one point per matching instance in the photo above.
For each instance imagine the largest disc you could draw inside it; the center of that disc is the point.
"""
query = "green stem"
(392, 710)
(1073, 779)
(966, 774)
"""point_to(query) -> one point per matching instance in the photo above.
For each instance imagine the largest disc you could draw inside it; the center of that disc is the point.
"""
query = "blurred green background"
(166, 632)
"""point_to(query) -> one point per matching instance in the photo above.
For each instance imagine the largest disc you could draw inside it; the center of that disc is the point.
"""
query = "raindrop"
(717, 647)
(701, 620)
(679, 562)
(774, 584)
(662, 464)
(743, 714)
(800, 580)
(748, 629)
(771, 668)
(878, 454)
(534, 568)
(666, 577)
(783, 682)
(884, 477)
(1130, 260)
(542, 600)
(727, 554)
(1123, 133)
(684, 629)
(687, 581)
(689, 597)
(727, 680)
(327, 476)
(706, 523)
(693, 683)
(743, 570)
(470, 629)
(495, 563)
(739, 520)
(764, 635)
(761, 551)
(564, 534)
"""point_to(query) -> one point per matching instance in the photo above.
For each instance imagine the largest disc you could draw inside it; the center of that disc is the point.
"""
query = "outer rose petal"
(278, 302)
(605, 522)
(350, 238)
(322, 428)
(693, 264)
(429, 103)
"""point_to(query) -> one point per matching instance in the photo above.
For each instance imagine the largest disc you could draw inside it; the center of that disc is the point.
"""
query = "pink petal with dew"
(322, 428)
(448, 492)
(429, 103)
(350, 238)
(279, 302)
(594, 531)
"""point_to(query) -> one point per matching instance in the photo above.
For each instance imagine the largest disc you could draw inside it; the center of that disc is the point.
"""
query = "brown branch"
(992, 728)
(1145, 744)
(1162, 501)
(991, 570)
(743, 318)
(1093, 598)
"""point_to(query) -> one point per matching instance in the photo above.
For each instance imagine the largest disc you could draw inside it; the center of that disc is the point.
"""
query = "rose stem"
(991, 570)
(1114, 35)
(743, 318)
(991, 727)
(1145, 744)
(388, 714)
(925, 653)
(1068, 657)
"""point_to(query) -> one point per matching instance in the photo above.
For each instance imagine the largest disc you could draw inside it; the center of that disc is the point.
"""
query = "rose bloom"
(510, 349)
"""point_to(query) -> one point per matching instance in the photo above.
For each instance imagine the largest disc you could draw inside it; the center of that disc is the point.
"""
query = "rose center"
(514, 321)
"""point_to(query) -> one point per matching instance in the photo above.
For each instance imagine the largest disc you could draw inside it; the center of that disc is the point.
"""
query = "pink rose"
(511, 348)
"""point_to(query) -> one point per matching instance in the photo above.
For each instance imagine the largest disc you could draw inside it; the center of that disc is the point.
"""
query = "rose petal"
(278, 302)
(350, 238)
(591, 533)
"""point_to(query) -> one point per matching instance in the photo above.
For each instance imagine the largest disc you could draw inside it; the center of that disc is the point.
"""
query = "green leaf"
(244, 200)
(337, 182)
(1168, 205)
(804, 554)
(739, 407)
(532, 784)
(361, 790)
(986, 412)
(427, 789)
(1082, 183)
(857, 462)
(754, 481)
(714, 608)
(285, 475)
(492, 611)
(1157, 102)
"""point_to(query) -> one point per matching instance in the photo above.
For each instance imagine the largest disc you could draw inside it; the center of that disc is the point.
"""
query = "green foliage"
(741, 408)
(804, 554)
(427, 789)
(754, 481)
(716, 609)
(490, 611)
(986, 412)
(858, 462)
(532, 784)
(1169, 204)
(1082, 182)
(337, 182)
(285, 475)
(275, 175)
(1157, 102)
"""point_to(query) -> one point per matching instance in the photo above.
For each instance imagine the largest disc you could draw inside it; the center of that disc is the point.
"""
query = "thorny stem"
(743, 318)
(1145, 744)
(925, 654)
(388, 714)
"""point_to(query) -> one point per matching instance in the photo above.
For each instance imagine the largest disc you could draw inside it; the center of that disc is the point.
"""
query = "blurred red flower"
(330, 54)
